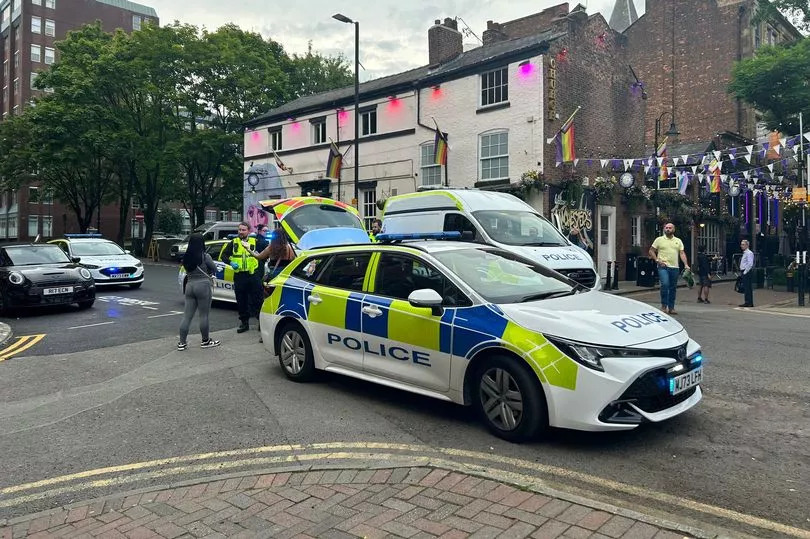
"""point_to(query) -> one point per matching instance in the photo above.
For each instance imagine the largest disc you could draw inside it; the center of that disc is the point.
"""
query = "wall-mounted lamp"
(524, 63)
(436, 86)
(525, 68)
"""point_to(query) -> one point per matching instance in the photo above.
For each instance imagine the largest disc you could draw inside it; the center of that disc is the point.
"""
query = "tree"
(312, 73)
(170, 221)
(775, 83)
(796, 10)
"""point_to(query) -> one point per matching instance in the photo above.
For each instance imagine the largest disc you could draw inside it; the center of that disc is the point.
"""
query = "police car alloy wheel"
(508, 400)
(295, 353)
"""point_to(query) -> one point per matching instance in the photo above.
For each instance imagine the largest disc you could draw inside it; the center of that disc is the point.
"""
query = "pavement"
(368, 502)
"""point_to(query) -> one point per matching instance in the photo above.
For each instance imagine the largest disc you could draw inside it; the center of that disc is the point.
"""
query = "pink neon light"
(526, 70)
(437, 93)
(394, 104)
(342, 116)
(255, 136)
(295, 126)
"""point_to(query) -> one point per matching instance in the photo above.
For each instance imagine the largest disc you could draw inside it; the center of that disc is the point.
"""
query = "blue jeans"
(669, 283)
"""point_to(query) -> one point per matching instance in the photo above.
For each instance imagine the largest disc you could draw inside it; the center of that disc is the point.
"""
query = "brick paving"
(414, 503)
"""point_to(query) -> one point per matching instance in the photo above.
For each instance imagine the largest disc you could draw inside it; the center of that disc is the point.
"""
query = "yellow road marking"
(23, 343)
(452, 463)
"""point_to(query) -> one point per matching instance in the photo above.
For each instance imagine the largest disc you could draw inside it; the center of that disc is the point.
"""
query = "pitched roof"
(624, 14)
(468, 61)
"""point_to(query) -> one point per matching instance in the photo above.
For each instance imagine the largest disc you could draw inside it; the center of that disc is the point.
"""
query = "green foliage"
(311, 73)
(571, 190)
(798, 11)
(775, 83)
(604, 189)
(170, 221)
(530, 180)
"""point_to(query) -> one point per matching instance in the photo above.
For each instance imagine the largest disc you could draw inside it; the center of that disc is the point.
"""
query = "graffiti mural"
(267, 186)
(579, 214)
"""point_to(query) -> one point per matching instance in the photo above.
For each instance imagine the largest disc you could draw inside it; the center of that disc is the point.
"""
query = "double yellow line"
(23, 343)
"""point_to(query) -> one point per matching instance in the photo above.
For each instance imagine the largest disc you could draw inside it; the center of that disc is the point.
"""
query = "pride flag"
(334, 162)
(565, 142)
(715, 182)
(663, 172)
(683, 183)
(439, 148)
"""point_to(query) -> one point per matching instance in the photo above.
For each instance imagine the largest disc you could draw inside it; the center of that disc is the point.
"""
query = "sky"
(393, 34)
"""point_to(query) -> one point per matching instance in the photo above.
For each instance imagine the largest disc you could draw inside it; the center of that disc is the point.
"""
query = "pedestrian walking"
(246, 286)
(746, 267)
(666, 250)
(199, 268)
(704, 275)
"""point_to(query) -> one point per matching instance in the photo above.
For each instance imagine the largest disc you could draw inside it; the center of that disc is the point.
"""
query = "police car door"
(402, 342)
(333, 310)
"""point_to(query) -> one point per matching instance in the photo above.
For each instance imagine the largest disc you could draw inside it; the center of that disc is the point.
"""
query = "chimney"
(494, 33)
(444, 41)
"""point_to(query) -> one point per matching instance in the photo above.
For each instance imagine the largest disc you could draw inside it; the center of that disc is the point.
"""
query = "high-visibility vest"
(244, 260)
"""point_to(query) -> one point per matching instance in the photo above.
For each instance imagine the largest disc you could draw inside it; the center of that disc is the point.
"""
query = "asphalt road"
(746, 447)
(120, 315)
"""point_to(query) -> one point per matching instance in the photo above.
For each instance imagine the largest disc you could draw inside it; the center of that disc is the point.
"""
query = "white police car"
(108, 263)
(482, 326)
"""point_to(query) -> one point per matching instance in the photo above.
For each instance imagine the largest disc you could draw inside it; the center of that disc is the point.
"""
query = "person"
(704, 275)
(376, 227)
(280, 253)
(246, 286)
(665, 250)
(199, 267)
(577, 238)
(747, 267)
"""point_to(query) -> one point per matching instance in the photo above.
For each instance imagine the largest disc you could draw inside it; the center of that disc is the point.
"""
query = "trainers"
(242, 328)
(182, 345)
(700, 300)
(210, 343)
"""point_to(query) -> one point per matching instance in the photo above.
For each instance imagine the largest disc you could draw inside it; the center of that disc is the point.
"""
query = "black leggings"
(198, 298)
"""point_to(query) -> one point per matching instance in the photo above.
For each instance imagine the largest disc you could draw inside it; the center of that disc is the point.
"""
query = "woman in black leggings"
(199, 267)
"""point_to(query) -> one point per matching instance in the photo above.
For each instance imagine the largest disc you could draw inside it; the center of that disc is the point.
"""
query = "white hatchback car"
(481, 326)
(108, 263)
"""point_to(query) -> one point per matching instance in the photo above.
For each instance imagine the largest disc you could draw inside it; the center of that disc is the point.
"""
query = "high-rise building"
(30, 28)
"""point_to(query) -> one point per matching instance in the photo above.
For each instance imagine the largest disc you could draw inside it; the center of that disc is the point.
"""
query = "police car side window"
(346, 271)
(309, 270)
(399, 275)
(455, 222)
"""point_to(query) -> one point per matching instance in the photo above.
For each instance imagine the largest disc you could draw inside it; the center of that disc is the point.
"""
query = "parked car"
(108, 263)
(210, 231)
(37, 274)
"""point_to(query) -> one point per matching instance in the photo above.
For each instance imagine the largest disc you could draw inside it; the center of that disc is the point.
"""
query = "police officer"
(246, 285)
(376, 227)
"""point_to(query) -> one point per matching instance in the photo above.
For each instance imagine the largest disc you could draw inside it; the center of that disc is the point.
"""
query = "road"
(745, 448)
(120, 315)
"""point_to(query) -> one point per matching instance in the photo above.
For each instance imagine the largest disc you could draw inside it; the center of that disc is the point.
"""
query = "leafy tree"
(170, 221)
(796, 10)
(775, 83)
(312, 73)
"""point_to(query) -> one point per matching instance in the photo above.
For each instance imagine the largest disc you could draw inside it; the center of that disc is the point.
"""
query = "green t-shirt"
(668, 250)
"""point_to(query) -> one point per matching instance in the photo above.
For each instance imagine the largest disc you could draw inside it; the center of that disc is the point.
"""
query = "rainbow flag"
(715, 182)
(334, 162)
(683, 183)
(565, 142)
(663, 172)
(439, 148)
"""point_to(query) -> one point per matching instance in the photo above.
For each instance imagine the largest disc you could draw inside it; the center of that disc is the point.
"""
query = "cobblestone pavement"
(411, 502)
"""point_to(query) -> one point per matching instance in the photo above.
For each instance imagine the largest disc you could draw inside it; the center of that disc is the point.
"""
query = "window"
(33, 226)
(757, 36)
(36, 53)
(36, 2)
(635, 230)
(136, 228)
(49, 55)
(136, 22)
(4, 227)
(309, 270)
(709, 235)
(17, 86)
(210, 216)
(494, 87)
(46, 197)
(12, 225)
(33, 195)
(431, 172)
(369, 207)
(495, 156)
(399, 275)
(50, 4)
(47, 226)
(368, 122)
(50, 27)
(455, 222)
(275, 138)
(215, 249)
(34, 75)
(16, 61)
(318, 130)
(36, 25)
(347, 271)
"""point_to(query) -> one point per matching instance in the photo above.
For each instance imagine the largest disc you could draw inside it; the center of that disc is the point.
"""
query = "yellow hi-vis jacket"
(242, 257)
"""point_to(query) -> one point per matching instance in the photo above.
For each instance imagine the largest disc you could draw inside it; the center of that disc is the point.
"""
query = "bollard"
(801, 275)
(608, 282)
(615, 275)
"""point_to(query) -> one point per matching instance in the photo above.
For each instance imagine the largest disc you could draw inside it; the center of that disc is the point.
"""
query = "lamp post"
(347, 20)
(671, 132)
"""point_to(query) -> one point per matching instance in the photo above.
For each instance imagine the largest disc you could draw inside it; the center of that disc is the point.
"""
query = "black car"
(36, 274)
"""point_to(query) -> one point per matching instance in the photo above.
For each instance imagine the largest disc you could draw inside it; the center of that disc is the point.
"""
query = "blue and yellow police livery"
(479, 325)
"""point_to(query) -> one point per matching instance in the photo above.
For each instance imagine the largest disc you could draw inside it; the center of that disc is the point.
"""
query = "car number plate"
(57, 290)
(681, 383)
(119, 275)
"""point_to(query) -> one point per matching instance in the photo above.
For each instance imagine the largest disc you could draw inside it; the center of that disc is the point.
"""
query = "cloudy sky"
(393, 34)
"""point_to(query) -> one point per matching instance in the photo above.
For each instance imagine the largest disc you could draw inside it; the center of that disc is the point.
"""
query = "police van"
(482, 326)
(493, 218)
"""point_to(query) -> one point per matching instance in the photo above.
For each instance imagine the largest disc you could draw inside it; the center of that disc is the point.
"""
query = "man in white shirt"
(746, 267)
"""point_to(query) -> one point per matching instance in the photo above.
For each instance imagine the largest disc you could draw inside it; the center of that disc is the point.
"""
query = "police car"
(223, 278)
(107, 262)
(482, 326)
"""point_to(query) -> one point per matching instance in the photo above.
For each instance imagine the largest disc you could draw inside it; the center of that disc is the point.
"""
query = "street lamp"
(343, 18)
(671, 132)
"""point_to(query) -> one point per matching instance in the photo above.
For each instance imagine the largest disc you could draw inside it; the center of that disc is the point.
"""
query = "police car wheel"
(295, 353)
(509, 399)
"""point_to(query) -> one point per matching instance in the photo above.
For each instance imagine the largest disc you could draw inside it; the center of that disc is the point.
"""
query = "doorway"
(606, 250)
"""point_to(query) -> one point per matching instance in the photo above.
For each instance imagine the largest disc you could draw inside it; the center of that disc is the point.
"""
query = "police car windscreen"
(96, 248)
(313, 217)
(500, 277)
(519, 228)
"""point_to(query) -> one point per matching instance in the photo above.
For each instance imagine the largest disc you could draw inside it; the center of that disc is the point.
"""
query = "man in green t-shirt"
(665, 251)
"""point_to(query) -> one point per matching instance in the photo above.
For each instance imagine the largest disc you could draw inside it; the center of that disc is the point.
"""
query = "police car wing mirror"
(427, 298)
(127, 251)
(76, 259)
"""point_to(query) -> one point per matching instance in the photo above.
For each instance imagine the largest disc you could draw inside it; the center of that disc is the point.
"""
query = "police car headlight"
(90, 266)
(591, 356)
(15, 277)
(138, 264)
(84, 273)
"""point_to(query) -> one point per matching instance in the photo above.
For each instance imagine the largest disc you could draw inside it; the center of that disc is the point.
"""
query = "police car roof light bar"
(83, 236)
(384, 238)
